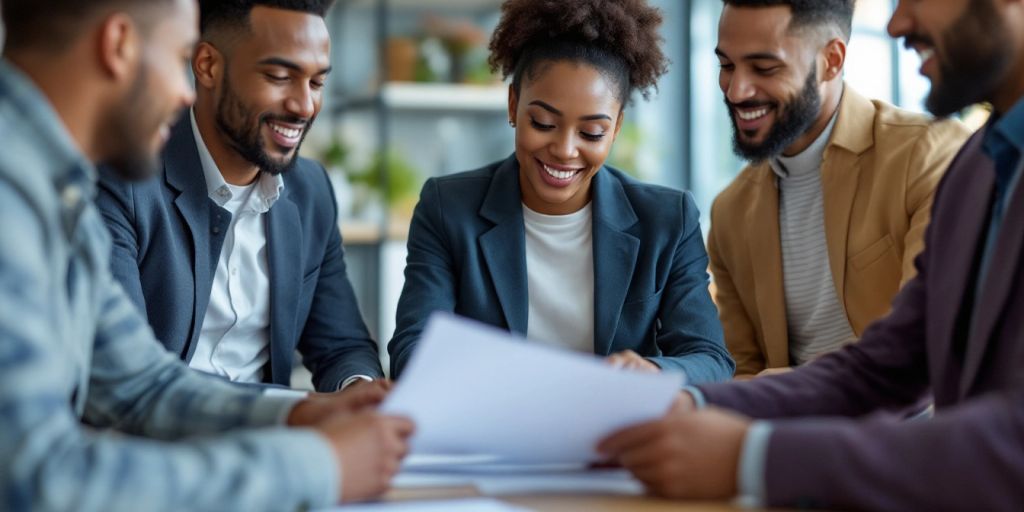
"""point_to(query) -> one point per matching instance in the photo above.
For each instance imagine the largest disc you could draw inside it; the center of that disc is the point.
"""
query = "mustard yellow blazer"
(879, 173)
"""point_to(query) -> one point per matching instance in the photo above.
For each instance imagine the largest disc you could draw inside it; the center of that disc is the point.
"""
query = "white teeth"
(561, 175)
(291, 133)
(750, 116)
(926, 53)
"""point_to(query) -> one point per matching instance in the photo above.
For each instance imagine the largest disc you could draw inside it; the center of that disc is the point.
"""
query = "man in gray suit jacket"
(956, 330)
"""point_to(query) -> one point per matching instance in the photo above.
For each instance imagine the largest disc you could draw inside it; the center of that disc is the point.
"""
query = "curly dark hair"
(809, 13)
(618, 37)
(217, 14)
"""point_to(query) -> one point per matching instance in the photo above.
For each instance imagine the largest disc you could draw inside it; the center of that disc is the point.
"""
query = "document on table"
(476, 390)
(593, 481)
(463, 505)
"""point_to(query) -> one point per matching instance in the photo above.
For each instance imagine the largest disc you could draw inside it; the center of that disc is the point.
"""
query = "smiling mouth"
(752, 115)
(291, 133)
(560, 173)
(286, 135)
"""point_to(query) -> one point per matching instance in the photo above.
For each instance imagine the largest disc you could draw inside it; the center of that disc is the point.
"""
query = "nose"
(738, 88)
(563, 147)
(302, 101)
(901, 23)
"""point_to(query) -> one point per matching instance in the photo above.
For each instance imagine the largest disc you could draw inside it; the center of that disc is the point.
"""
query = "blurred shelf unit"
(395, 115)
(355, 232)
(435, 96)
(435, 5)
(445, 96)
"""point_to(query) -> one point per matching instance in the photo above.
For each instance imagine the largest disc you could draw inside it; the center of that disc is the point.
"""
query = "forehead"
(747, 30)
(298, 35)
(572, 87)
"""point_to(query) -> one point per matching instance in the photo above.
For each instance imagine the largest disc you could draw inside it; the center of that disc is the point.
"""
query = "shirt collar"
(807, 160)
(269, 186)
(1006, 131)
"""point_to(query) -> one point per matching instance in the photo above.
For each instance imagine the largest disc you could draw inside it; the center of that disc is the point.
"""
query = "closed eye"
(540, 126)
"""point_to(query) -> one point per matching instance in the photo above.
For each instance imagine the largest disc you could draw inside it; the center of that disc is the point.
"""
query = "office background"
(411, 97)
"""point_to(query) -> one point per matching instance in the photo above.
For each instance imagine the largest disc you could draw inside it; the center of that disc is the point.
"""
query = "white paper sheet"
(476, 390)
(463, 505)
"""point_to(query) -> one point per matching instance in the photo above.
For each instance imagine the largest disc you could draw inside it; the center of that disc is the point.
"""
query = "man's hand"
(683, 455)
(369, 448)
(632, 361)
(355, 398)
(683, 403)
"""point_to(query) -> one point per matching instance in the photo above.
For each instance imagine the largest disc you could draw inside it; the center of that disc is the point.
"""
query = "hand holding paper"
(473, 389)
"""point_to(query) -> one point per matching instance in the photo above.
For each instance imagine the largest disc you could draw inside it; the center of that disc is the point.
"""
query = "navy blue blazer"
(467, 255)
(168, 236)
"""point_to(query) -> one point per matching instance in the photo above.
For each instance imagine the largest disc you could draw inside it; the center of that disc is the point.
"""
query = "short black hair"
(53, 24)
(233, 14)
(811, 13)
(618, 37)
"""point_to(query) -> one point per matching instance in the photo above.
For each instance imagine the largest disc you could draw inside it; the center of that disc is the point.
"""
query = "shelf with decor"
(411, 96)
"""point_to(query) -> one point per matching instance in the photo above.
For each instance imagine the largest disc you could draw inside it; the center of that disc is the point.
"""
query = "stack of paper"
(464, 505)
(475, 390)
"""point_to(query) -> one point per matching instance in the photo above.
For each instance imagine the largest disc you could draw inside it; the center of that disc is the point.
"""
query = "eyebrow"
(751, 56)
(553, 110)
(285, 63)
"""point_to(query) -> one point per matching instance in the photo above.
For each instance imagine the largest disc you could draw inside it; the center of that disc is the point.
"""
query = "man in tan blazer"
(812, 241)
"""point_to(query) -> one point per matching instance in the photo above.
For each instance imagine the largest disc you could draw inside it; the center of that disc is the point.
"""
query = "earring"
(512, 123)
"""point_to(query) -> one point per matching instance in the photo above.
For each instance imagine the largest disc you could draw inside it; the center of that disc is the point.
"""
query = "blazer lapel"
(284, 258)
(615, 254)
(762, 230)
(959, 246)
(504, 245)
(992, 297)
(852, 135)
(205, 220)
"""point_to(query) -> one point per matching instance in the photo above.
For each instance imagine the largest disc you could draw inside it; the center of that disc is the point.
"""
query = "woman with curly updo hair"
(551, 243)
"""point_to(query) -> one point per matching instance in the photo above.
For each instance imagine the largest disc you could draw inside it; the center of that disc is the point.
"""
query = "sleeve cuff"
(353, 379)
(312, 468)
(751, 477)
(699, 400)
(274, 406)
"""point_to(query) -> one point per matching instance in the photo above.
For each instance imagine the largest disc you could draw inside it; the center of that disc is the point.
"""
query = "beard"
(795, 117)
(242, 129)
(974, 60)
(132, 128)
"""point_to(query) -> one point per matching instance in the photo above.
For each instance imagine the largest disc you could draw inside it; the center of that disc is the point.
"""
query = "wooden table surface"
(568, 502)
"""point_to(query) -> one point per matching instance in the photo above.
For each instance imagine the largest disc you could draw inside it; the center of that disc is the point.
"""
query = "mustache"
(917, 39)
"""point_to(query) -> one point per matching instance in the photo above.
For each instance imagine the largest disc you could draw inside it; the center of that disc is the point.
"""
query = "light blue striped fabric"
(156, 435)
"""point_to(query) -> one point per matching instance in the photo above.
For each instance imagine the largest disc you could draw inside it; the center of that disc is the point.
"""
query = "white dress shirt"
(234, 341)
(560, 279)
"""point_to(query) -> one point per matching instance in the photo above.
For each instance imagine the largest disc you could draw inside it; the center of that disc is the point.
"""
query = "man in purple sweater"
(808, 438)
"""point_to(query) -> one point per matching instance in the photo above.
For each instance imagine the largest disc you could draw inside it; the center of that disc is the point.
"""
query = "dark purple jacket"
(971, 455)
